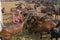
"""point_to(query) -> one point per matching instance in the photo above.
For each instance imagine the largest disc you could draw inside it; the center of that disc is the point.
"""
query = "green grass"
(7, 18)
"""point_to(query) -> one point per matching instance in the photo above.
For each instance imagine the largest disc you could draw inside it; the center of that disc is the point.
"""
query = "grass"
(7, 18)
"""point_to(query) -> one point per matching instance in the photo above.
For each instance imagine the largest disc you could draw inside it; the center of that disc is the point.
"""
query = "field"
(7, 19)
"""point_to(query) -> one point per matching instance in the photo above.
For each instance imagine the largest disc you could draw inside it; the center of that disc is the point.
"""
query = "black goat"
(55, 33)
